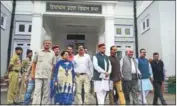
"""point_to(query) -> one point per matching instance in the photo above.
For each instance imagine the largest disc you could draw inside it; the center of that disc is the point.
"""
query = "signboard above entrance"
(70, 7)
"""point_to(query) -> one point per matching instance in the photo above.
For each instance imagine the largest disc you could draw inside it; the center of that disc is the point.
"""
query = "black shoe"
(16, 103)
(164, 103)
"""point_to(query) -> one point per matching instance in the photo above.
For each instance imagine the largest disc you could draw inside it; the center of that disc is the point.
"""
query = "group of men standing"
(127, 76)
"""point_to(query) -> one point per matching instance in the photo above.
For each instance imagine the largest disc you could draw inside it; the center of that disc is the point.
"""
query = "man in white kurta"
(102, 70)
(83, 69)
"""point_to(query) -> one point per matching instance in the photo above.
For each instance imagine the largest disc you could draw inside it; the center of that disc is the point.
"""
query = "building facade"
(6, 11)
(90, 23)
(22, 26)
(156, 31)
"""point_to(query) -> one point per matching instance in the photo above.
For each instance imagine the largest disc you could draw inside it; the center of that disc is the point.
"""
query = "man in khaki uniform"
(13, 74)
(26, 64)
(43, 65)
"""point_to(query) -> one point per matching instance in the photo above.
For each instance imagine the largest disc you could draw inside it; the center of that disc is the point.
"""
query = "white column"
(37, 25)
(101, 39)
(36, 36)
(109, 33)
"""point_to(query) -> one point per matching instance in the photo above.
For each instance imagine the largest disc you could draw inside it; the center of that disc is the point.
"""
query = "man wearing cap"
(56, 50)
(14, 69)
(102, 70)
(130, 74)
(42, 69)
(83, 70)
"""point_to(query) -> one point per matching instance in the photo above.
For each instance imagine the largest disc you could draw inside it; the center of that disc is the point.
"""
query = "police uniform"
(44, 63)
(13, 79)
(26, 64)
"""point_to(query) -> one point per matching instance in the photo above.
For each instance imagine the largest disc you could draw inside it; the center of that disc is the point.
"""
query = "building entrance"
(73, 30)
(74, 40)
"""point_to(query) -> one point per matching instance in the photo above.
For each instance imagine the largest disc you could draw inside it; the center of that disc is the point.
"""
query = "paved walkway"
(170, 98)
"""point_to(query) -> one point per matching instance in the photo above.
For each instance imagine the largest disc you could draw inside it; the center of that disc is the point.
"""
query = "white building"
(22, 25)
(6, 13)
(88, 22)
(156, 31)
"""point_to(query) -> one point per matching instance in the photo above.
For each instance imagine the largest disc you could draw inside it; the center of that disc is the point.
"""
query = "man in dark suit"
(158, 77)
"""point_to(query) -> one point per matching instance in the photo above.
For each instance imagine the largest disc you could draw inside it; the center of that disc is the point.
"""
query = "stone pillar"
(101, 39)
(109, 26)
(37, 25)
(109, 33)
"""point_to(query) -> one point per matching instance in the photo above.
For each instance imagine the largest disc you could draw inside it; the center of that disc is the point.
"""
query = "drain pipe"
(135, 28)
(11, 31)
(136, 44)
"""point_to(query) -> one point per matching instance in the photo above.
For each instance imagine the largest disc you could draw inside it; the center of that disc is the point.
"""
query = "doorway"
(74, 40)
(24, 44)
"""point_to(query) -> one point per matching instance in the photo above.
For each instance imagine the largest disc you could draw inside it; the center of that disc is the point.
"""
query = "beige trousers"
(22, 87)
(41, 91)
(82, 80)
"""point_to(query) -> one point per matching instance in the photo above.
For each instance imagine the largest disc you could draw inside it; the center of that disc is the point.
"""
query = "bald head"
(129, 52)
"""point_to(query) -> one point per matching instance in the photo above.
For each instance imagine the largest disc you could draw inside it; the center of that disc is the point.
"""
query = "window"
(3, 21)
(127, 31)
(127, 46)
(23, 28)
(124, 30)
(29, 29)
(20, 44)
(145, 24)
(75, 37)
(118, 31)
(122, 47)
(119, 47)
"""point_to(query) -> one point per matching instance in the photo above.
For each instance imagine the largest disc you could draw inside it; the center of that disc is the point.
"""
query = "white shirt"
(133, 67)
(98, 68)
(83, 64)
(103, 84)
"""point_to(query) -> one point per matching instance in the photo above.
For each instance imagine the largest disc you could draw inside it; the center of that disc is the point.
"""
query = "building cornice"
(37, 14)
(142, 7)
(6, 6)
(103, 2)
(109, 17)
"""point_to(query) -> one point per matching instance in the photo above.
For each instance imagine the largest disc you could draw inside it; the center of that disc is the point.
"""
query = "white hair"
(128, 49)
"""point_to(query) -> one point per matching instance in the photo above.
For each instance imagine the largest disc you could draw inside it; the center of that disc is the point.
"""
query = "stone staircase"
(4, 84)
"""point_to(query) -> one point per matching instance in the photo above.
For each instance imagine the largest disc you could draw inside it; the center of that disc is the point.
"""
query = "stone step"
(4, 90)
(4, 84)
